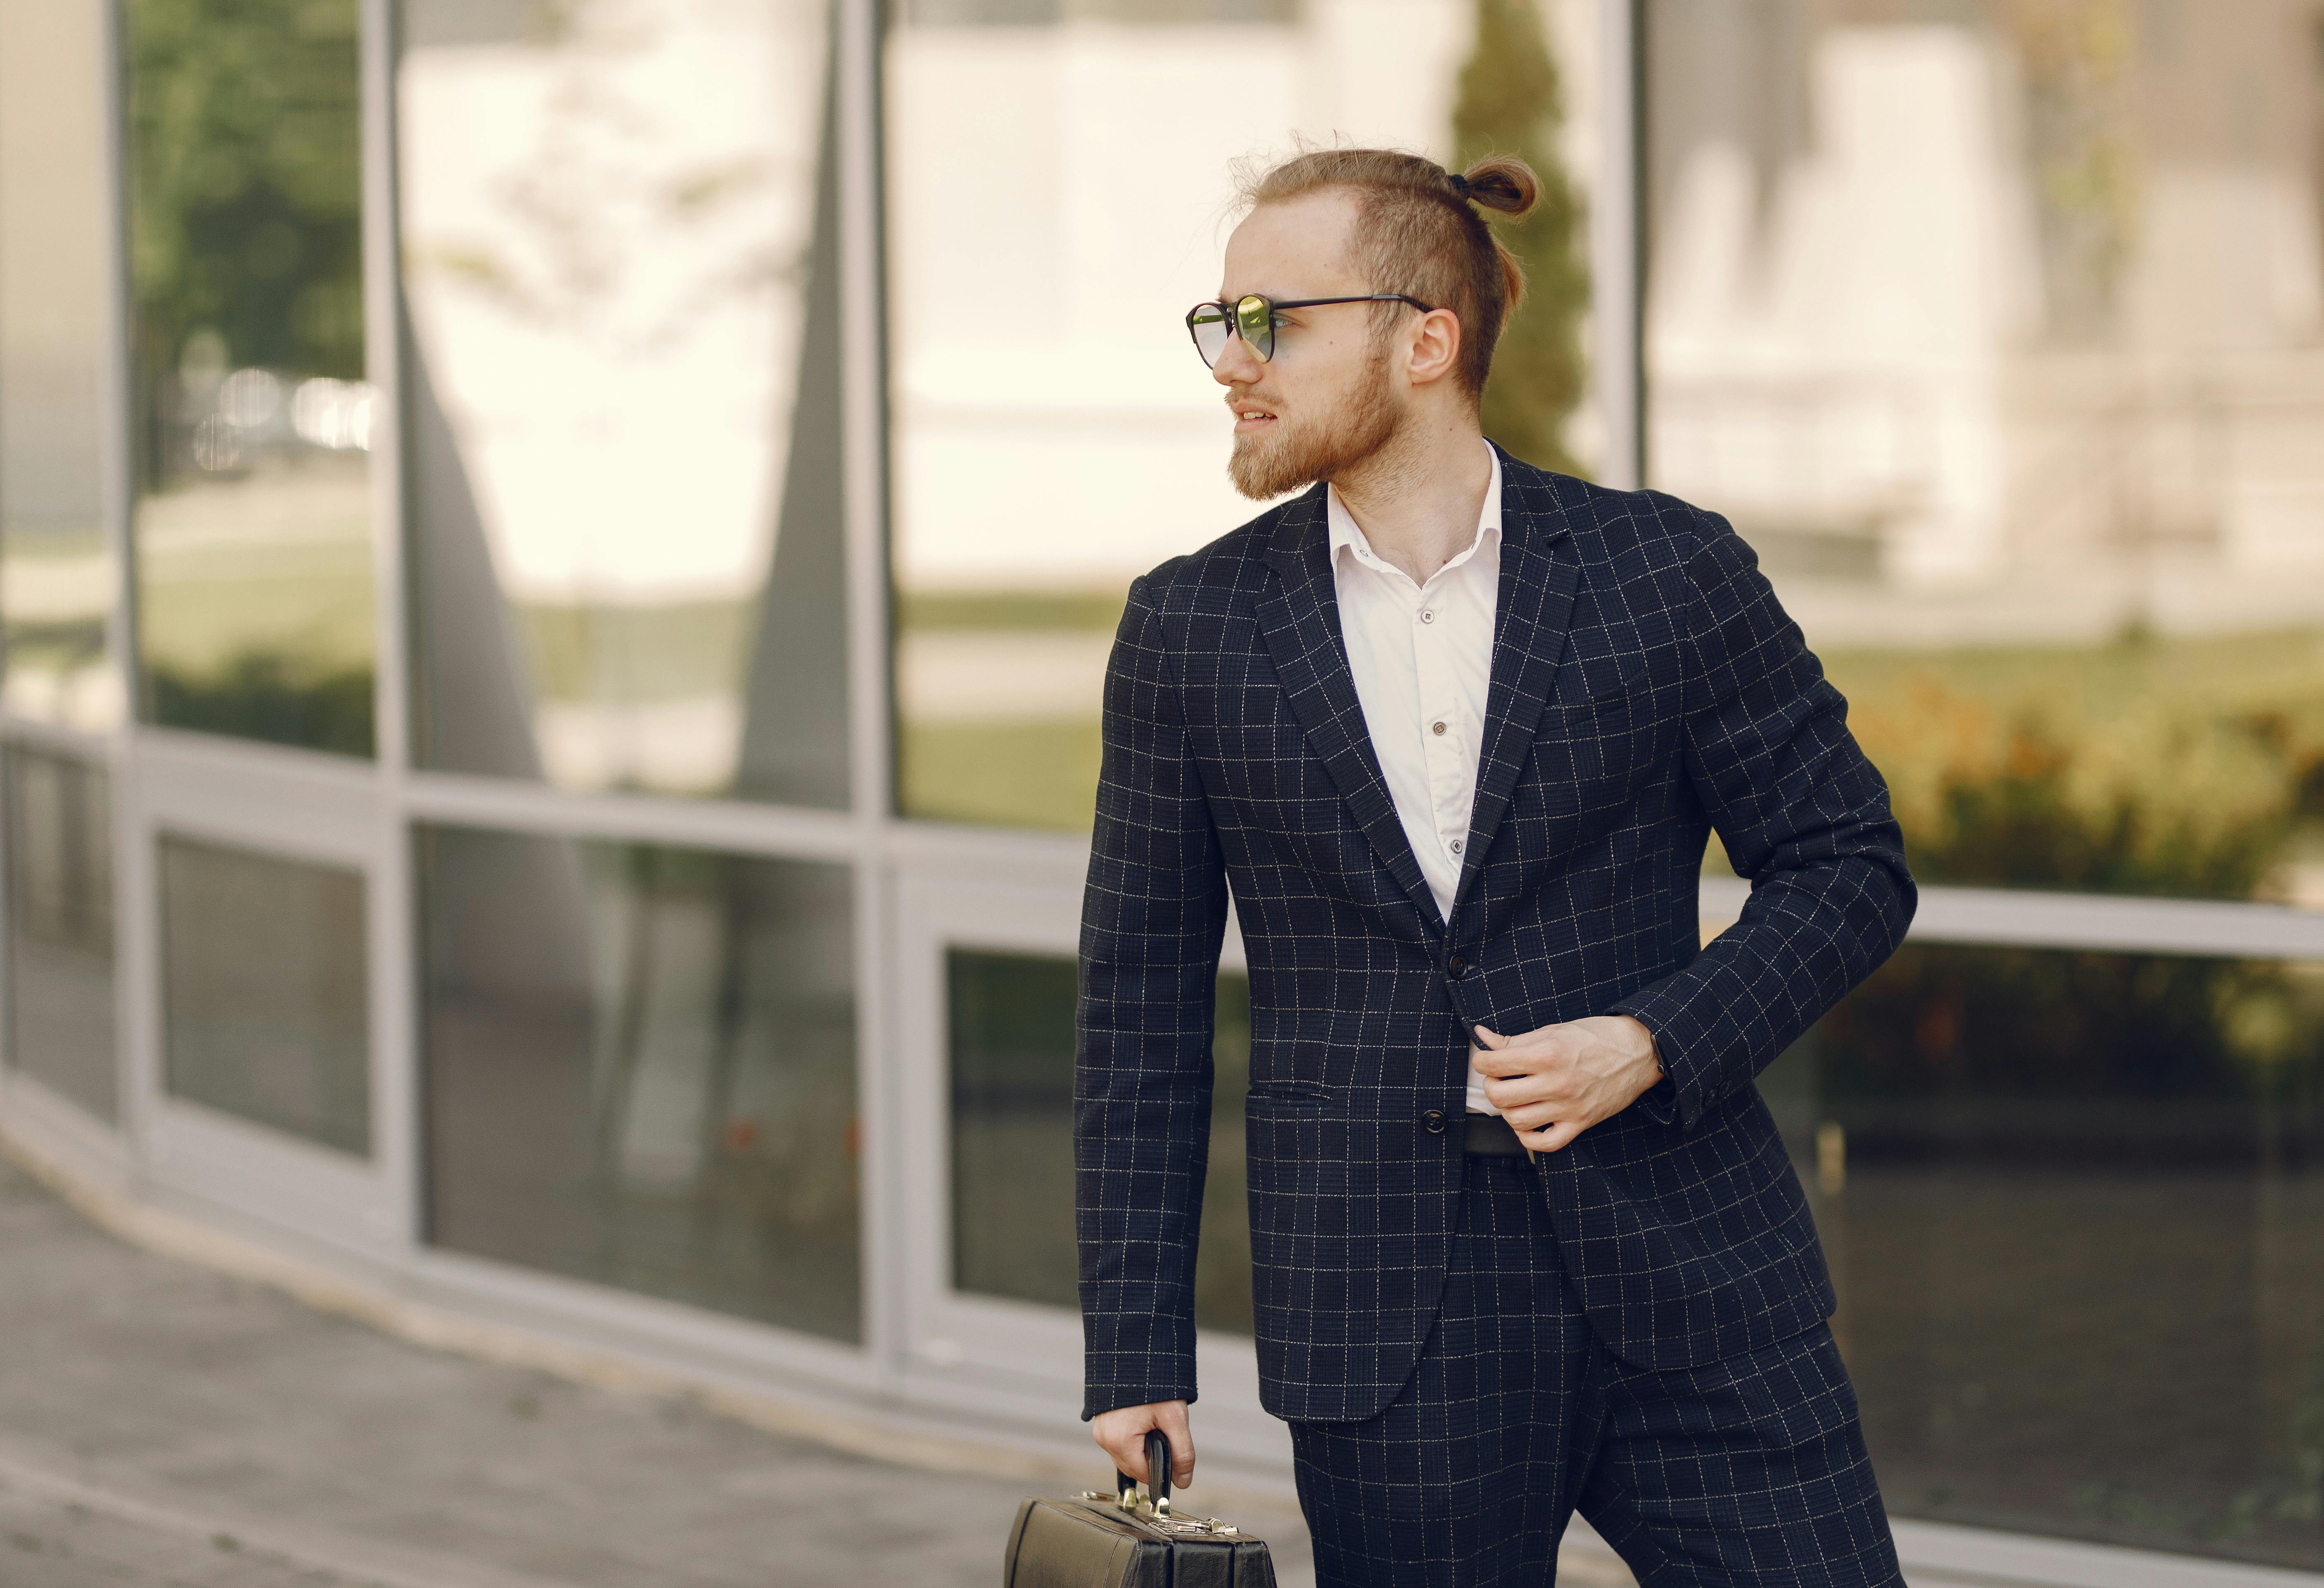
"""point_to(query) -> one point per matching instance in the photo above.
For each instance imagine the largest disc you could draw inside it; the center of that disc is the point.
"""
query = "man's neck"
(1417, 499)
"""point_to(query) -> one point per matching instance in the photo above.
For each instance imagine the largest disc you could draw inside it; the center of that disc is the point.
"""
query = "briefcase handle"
(1157, 1473)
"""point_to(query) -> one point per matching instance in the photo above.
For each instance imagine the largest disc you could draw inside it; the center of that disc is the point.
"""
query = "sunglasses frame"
(1232, 313)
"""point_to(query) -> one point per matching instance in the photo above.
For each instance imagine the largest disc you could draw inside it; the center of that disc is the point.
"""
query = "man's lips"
(1250, 416)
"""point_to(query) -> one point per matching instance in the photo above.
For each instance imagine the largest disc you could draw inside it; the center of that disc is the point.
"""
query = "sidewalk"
(163, 1427)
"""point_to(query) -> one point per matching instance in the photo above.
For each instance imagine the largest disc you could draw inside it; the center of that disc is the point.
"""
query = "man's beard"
(1298, 454)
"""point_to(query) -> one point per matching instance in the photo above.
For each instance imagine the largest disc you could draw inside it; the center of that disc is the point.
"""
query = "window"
(641, 1070)
(252, 414)
(1999, 333)
(57, 573)
(1012, 1138)
(622, 396)
(265, 1001)
(2073, 1205)
(1057, 187)
(59, 876)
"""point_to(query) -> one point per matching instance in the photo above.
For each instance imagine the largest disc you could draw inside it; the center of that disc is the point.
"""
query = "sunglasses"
(1252, 317)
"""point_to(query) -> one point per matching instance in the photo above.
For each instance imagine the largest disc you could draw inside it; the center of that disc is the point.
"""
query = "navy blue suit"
(1645, 689)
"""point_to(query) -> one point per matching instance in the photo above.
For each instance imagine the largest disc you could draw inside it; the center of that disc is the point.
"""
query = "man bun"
(1502, 183)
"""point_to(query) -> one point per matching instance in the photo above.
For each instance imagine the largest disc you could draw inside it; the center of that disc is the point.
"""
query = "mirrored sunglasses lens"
(1255, 318)
(1209, 324)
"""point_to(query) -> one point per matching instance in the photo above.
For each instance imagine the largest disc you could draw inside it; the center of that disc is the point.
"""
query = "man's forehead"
(1295, 248)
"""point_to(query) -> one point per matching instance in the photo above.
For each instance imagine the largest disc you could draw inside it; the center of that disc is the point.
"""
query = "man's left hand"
(1556, 1083)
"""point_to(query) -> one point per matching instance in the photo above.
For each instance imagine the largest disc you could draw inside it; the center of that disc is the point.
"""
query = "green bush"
(263, 695)
(2025, 823)
(1994, 1022)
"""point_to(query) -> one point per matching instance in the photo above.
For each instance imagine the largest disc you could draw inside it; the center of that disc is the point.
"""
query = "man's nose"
(1237, 365)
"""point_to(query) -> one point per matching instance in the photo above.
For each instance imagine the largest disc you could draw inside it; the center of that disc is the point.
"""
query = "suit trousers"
(1748, 1471)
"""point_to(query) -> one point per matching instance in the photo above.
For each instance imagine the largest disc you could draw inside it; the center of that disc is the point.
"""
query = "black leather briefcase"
(1130, 1538)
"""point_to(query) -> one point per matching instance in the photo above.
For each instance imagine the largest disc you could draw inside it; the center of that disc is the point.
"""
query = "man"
(1455, 731)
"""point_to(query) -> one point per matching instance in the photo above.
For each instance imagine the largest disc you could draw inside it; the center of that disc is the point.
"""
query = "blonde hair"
(1419, 231)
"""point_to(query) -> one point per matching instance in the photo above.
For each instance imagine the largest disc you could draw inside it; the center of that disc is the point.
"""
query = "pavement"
(165, 1426)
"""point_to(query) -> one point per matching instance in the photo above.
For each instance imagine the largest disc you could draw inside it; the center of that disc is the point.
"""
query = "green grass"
(24, 541)
(624, 654)
(1899, 697)
(1046, 611)
(201, 613)
(1039, 775)
(1034, 774)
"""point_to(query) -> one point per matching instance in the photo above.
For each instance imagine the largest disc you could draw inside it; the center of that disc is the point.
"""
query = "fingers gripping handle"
(1157, 1471)
(1158, 1467)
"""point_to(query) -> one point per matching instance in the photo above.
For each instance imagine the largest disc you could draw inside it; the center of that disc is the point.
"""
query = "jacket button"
(1456, 967)
(1434, 1121)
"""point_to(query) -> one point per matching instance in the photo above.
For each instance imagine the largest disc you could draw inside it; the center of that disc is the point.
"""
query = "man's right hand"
(1121, 1434)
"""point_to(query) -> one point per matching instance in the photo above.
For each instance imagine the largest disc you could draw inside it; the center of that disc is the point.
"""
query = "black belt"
(1493, 1136)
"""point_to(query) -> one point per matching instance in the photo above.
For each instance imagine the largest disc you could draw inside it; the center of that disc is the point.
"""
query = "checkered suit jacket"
(1646, 688)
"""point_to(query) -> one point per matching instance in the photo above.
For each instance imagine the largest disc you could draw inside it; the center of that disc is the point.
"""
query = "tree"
(1510, 102)
(245, 198)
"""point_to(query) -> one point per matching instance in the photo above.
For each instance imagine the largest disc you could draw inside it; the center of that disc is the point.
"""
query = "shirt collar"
(1348, 536)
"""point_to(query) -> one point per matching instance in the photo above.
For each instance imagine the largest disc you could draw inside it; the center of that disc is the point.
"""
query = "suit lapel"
(1539, 575)
(1299, 621)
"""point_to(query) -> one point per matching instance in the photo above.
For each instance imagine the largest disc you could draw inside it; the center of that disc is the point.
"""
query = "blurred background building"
(556, 559)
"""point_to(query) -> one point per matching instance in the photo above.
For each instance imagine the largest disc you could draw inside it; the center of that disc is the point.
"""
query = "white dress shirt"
(1423, 658)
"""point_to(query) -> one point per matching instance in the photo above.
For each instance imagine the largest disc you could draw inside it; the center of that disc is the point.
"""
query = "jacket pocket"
(1285, 1178)
(1289, 1095)
(1596, 670)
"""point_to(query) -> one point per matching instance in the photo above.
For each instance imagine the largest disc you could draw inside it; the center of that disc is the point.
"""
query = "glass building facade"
(557, 561)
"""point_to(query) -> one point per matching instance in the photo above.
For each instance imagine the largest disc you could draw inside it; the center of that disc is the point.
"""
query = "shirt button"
(1427, 614)
(1436, 728)
(1457, 846)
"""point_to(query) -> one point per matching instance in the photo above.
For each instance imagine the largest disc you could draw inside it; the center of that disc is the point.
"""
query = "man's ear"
(1436, 347)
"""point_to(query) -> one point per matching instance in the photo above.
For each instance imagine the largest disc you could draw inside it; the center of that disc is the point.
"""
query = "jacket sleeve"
(1805, 817)
(1152, 919)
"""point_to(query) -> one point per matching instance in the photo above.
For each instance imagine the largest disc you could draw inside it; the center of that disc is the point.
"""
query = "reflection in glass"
(57, 575)
(2074, 1205)
(59, 878)
(265, 1005)
(1999, 332)
(641, 1070)
(254, 423)
(1075, 154)
(621, 243)
(1012, 1138)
